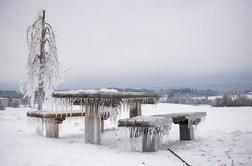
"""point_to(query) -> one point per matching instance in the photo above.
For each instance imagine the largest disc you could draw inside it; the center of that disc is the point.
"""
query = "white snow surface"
(91, 91)
(224, 138)
(108, 90)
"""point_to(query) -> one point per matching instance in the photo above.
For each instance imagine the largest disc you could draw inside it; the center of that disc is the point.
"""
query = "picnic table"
(96, 101)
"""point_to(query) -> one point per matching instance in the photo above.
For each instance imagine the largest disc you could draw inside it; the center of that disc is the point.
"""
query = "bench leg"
(39, 128)
(186, 131)
(150, 143)
(52, 128)
(135, 110)
(102, 126)
(92, 125)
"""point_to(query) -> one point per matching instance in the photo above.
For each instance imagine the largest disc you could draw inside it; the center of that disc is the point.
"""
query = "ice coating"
(192, 117)
(46, 72)
(108, 98)
(109, 102)
(145, 121)
(97, 105)
(153, 130)
(147, 124)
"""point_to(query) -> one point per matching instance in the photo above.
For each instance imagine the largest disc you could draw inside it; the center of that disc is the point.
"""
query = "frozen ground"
(224, 138)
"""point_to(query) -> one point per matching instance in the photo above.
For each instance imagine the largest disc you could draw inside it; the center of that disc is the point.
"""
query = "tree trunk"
(42, 62)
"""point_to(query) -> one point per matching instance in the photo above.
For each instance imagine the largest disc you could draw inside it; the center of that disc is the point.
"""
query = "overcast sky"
(135, 43)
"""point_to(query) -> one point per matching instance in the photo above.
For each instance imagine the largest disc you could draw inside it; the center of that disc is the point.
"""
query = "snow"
(89, 91)
(101, 91)
(108, 90)
(223, 138)
(214, 97)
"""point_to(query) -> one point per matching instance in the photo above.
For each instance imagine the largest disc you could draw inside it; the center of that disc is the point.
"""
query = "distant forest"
(231, 98)
(10, 94)
(182, 96)
(190, 96)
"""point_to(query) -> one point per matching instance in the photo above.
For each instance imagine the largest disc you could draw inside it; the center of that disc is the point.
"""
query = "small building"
(4, 101)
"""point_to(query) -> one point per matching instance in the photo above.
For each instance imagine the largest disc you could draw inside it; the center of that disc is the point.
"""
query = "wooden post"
(150, 142)
(135, 110)
(52, 128)
(102, 125)
(186, 131)
(92, 125)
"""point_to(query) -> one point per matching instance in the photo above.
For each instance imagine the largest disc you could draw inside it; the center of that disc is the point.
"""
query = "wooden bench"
(186, 122)
(157, 122)
(151, 127)
(52, 119)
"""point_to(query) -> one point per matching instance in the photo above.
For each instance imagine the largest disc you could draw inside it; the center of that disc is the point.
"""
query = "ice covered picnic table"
(99, 103)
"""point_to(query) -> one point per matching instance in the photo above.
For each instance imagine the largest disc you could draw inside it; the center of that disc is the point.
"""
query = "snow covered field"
(224, 138)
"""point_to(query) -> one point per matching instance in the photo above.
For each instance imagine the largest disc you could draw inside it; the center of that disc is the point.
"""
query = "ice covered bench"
(158, 123)
(150, 126)
(52, 119)
(186, 122)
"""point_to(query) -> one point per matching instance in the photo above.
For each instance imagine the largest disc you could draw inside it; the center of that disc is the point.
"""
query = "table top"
(103, 94)
(109, 96)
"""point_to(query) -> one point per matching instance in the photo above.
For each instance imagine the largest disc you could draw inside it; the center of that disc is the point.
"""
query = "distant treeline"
(11, 98)
(189, 92)
(179, 96)
(10, 94)
(187, 96)
(233, 99)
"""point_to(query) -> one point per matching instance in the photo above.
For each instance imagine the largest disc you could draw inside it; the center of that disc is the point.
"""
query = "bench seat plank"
(191, 117)
(184, 115)
(54, 114)
(52, 119)
(145, 121)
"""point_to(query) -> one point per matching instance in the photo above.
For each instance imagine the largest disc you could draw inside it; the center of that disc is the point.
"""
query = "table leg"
(52, 128)
(135, 110)
(186, 131)
(92, 125)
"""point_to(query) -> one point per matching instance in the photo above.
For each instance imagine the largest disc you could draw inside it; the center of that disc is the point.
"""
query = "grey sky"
(135, 43)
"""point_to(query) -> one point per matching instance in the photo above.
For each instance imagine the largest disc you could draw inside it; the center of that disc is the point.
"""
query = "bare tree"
(43, 66)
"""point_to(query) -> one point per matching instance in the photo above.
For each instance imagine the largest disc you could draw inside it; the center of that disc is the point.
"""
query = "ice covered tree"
(43, 74)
